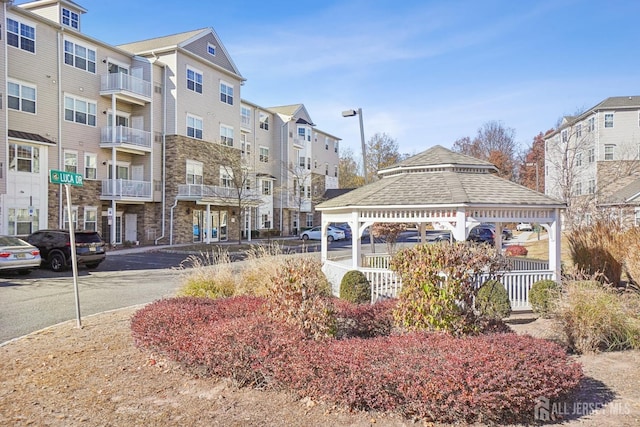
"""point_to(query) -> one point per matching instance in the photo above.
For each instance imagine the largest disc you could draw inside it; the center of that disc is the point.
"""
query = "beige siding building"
(592, 162)
(168, 150)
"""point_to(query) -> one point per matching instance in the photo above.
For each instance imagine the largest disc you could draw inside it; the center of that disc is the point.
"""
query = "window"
(592, 155)
(211, 49)
(21, 97)
(74, 218)
(79, 56)
(23, 222)
(70, 19)
(90, 166)
(80, 111)
(194, 172)
(266, 188)
(194, 126)
(591, 186)
(335, 146)
(579, 159)
(565, 135)
(71, 161)
(226, 179)
(608, 120)
(264, 221)
(302, 162)
(579, 130)
(264, 121)
(226, 135)
(577, 189)
(91, 219)
(308, 191)
(122, 171)
(608, 151)
(226, 93)
(264, 154)
(326, 143)
(24, 158)
(194, 80)
(335, 171)
(309, 222)
(245, 116)
(326, 168)
(21, 35)
(309, 163)
(591, 124)
(315, 164)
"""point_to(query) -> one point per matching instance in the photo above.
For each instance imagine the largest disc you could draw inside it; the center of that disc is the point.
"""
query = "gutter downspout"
(164, 155)
(60, 113)
(171, 223)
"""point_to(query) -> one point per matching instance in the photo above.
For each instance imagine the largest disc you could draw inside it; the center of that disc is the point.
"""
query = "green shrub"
(355, 287)
(492, 300)
(299, 295)
(596, 318)
(438, 286)
(542, 295)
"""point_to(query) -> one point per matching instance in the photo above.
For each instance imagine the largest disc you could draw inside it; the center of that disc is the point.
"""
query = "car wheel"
(330, 239)
(57, 262)
(93, 265)
(305, 237)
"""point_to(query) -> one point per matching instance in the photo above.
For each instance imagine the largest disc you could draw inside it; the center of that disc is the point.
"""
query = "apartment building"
(592, 162)
(169, 151)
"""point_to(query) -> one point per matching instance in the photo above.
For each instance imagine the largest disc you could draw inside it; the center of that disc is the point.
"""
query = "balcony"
(227, 196)
(127, 87)
(127, 139)
(125, 189)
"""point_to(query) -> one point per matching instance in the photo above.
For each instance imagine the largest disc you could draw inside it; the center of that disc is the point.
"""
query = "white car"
(333, 233)
(524, 226)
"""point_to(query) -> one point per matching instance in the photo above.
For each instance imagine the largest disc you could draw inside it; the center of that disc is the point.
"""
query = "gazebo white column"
(356, 242)
(555, 255)
(323, 240)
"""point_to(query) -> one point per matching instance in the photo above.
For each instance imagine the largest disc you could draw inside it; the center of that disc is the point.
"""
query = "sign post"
(67, 179)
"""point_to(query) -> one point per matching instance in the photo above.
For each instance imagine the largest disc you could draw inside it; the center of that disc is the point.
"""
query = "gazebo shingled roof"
(439, 176)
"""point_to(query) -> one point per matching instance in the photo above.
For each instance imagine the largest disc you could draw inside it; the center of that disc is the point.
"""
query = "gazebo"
(453, 191)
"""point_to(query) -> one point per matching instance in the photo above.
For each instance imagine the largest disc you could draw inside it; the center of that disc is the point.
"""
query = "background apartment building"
(168, 151)
(591, 162)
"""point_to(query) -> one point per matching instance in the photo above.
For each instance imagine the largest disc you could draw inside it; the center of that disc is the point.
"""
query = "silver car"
(18, 255)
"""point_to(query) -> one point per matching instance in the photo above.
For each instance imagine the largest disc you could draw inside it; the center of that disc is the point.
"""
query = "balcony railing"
(200, 191)
(120, 82)
(126, 189)
(126, 136)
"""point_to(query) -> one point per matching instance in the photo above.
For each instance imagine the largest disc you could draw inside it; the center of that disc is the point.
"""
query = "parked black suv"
(55, 248)
(482, 234)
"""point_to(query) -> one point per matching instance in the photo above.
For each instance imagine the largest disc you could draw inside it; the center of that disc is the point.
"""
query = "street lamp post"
(537, 187)
(537, 182)
(351, 113)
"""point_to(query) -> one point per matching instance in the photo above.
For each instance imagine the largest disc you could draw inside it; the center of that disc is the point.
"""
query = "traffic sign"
(62, 177)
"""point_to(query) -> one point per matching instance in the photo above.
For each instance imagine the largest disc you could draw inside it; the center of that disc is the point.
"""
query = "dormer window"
(211, 49)
(70, 19)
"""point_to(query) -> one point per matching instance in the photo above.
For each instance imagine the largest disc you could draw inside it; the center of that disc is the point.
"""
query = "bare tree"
(237, 181)
(494, 143)
(382, 152)
(348, 170)
(532, 166)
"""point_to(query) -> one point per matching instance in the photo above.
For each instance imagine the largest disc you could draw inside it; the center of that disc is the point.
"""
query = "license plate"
(92, 249)
(20, 256)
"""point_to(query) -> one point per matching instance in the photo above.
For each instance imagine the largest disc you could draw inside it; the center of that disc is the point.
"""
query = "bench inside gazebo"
(454, 191)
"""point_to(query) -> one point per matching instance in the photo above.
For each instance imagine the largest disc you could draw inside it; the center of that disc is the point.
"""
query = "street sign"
(62, 177)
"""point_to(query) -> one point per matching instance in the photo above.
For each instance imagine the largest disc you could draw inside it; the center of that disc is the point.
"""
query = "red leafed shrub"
(363, 320)
(516, 250)
(433, 376)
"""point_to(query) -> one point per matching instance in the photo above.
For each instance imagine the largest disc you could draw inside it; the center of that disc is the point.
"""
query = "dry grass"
(539, 249)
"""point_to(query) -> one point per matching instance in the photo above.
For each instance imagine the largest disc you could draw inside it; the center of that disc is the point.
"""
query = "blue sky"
(424, 72)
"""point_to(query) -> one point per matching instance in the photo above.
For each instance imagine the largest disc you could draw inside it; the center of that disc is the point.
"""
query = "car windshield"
(12, 241)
